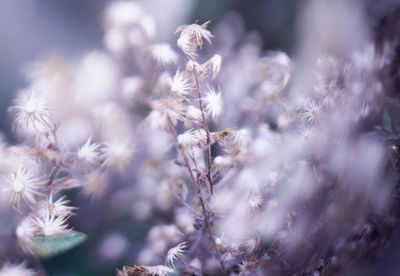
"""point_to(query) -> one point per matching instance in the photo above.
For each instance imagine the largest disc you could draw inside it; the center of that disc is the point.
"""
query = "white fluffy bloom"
(171, 107)
(9, 269)
(192, 37)
(32, 112)
(180, 84)
(123, 13)
(131, 87)
(57, 208)
(159, 270)
(89, 153)
(214, 103)
(193, 113)
(117, 154)
(213, 65)
(223, 161)
(25, 232)
(311, 112)
(176, 253)
(115, 40)
(164, 54)
(156, 120)
(24, 185)
(51, 225)
(242, 138)
(255, 200)
(192, 137)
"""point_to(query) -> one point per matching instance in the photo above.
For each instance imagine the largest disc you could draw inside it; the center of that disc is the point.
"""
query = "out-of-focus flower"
(214, 103)
(176, 253)
(164, 54)
(213, 65)
(25, 232)
(117, 154)
(51, 225)
(9, 269)
(192, 36)
(180, 84)
(24, 186)
(57, 208)
(33, 113)
(89, 153)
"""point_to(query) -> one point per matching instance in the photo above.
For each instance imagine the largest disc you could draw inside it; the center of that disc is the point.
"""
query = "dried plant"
(260, 165)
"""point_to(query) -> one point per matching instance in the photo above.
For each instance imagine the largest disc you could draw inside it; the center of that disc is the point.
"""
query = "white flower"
(24, 185)
(32, 112)
(192, 37)
(180, 84)
(58, 208)
(242, 138)
(213, 65)
(25, 232)
(123, 13)
(193, 113)
(171, 107)
(164, 54)
(223, 161)
(115, 40)
(156, 120)
(311, 112)
(214, 104)
(159, 270)
(131, 87)
(88, 153)
(9, 269)
(176, 253)
(192, 137)
(255, 200)
(117, 154)
(51, 225)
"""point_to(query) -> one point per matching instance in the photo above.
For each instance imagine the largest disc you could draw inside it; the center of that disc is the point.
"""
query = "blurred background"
(71, 28)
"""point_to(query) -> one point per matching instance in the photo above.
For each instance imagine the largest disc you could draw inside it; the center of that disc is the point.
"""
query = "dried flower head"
(164, 54)
(51, 225)
(158, 270)
(192, 37)
(88, 153)
(117, 154)
(32, 112)
(57, 208)
(24, 185)
(214, 104)
(213, 65)
(180, 84)
(176, 253)
(25, 232)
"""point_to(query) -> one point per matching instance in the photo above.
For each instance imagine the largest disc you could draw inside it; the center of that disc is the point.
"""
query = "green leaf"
(46, 248)
(387, 122)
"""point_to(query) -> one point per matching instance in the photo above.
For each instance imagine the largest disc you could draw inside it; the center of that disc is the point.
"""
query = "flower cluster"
(252, 163)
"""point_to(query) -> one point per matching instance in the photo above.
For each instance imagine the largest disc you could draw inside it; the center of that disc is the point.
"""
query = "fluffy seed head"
(176, 253)
(214, 104)
(89, 153)
(24, 185)
(9, 269)
(192, 37)
(164, 54)
(32, 112)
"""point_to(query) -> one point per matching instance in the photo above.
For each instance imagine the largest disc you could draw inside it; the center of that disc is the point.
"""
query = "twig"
(205, 125)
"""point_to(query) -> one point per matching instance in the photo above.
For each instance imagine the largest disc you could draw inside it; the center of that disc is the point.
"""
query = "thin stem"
(53, 175)
(205, 125)
(203, 208)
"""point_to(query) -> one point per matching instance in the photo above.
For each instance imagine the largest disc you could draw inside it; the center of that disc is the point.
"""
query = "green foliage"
(387, 122)
(46, 248)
